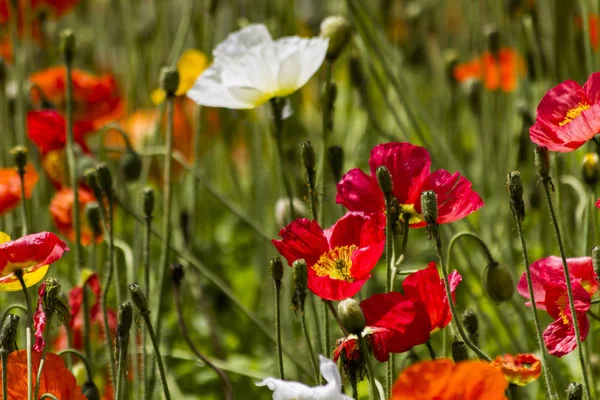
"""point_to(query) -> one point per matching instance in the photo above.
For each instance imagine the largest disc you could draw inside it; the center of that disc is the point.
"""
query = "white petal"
(253, 69)
(284, 390)
(311, 53)
(242, 41)
(330, 372)
(209, 90)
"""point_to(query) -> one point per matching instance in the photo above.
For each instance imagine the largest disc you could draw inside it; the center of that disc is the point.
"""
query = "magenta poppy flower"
(550, 291)
(409, 166)
(568, 115)
(339, 259)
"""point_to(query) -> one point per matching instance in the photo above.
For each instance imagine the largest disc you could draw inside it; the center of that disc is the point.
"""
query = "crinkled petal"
(39, 320)
(559, 336)
(242, 41)
(358, 191)
(302, 238)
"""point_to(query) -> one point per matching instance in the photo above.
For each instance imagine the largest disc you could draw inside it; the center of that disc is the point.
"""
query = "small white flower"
(284, 390)
(250, 68)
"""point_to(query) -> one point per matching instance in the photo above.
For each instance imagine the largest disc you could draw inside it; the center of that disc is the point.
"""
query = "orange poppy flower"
(56, 377)
(61, 210)
(441, 379)
(31, 254)
(520, 369)
(500, 71)
(10, 186)
(53, 8)
(96, 98)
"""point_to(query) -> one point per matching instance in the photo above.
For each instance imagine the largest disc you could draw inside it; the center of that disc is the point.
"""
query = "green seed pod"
(276, 268)
(19, 154)
(92, 212)
(169, 80)
(307, 153)
(138, 297)
(339, 32)
(104, 178)
(300, 277)
(384, 178)
(575, 391)
(8, 333)
(459, 351)
(148, 201)
(130, 166)
(498, 282)
(351, 316)
(429, 206)
(67, 45)
(471, 324)
(125, 319)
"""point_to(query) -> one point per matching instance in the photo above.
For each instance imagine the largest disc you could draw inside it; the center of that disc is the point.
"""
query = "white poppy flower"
(250, 68)
(284, 390)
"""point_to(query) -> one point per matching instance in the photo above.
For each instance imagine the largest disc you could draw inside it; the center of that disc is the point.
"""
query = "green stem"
(123, 344)
(86, 362)
(479, 241)
(159, 362)
(389, 262)
(71, 163)
(4, 358)
(549, 380)
(19, 49)
(86, 322)
(326, 333)
(326, 128)
(309, 346)
(430, 349)
(147, 239)
(104, 301)
(364, 350)
(24, 216)
(10, 308)
(19, 275)
(277, 106)
(278, 327)
(586, 384)
(405, 233)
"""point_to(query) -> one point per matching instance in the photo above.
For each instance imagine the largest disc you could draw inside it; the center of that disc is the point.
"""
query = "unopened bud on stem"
(498, 282)
(19, 154)
(384, 178)
(300, 277)
(276, 268)
(590, 170)
(339, 32)
(459, 351)
(515, 189)
(596, 259)
(471, 324)
(104, 178)
(169, 80)
(138, 297)
(575, 391)
(351, 316)
(67, 45)
(8, 333)
(92, 212)
(148, 202)
(177, 273)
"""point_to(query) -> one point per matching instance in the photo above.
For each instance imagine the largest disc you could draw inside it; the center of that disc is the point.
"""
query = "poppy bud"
(336, 161)
(53, 301)
(67, 45)
(90, 391)
(541, 161)
(429, 205)
(493, 38)
(339, 32)
(384, 179)
(276, 268)
(575, 391)
(91, 178)
(19, 154)
(104, 178)
(177, 273)
(307, 152)
(138, 297)
(130, 165)
(498, 282)
(169, 80)
(515, 189)
(282, 210)
(590, 170)
(596, 259)
(471, 324)
(300, 277)
(351, 316)
(83, 163)
(148, 195)
(8, 333)
(125, 319)
(459, 351)
(92, 212)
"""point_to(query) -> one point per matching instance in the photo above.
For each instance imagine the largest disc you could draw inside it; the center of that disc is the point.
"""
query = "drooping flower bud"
(336, 161)
(384, 178)
(351, 316)
(91, 178)
(515, 189)
(90, 391)
(92, 212)
(283, 216)
(575, 391)
(67, 45)
(590, 170)
(19, 154)
(169, 80)
(177, 273)
(471, 324)
(338, 30)
(459, 351)
(8, 333)
(104, 178)
(498, 282)
(130, 165)
(276, 268)
(300, 278)
(138, 297)
(148, 202)
(493, 38)
(541, 160)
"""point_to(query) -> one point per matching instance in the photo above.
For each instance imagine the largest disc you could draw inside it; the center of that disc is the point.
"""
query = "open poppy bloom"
(32, 254)
(520, 369)
(441, 379)
(96, 99)
(550, 291)
(409, 166)
(61, 210)
(47, 129)
(497, 71)
(397, 322)
(10, 186)
(55, 379)
(568, 115)
(339, 258)
(250, 68)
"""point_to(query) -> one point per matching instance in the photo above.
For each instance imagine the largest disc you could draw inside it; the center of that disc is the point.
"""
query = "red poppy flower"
(96, 99)
(409, 166)
(61, 210)
(10, 187)
(550, 291)
(55, 379)
(568, 115)
(48, 130)
(31, 254)
(520, 369)
(396, 322)
(499, 71)
(53, 8)
(340, 258)
(441, 379)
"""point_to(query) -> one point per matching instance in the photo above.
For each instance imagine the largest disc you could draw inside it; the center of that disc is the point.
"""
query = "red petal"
(302, 238)
(39, 320)
(34, 251)
(357, 191)
(333, 289)
(560, 337)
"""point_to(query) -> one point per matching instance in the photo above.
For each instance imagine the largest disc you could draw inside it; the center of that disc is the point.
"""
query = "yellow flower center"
(409, 210)
(562, 305)
(574, 113)
(336, 263)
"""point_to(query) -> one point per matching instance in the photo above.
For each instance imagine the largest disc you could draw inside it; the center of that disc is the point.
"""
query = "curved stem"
(311, 353)
(104, 299)
(49, 396)
(86, 363)
(479, 241)
(159, 362)
(10, 308)
(586, 384)
(336, 316)
(431, 350)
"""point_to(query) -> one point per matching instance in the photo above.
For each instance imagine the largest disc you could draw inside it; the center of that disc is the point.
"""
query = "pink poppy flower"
(409, 166)
(568, 115)
(550, 291)
(340, 258)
